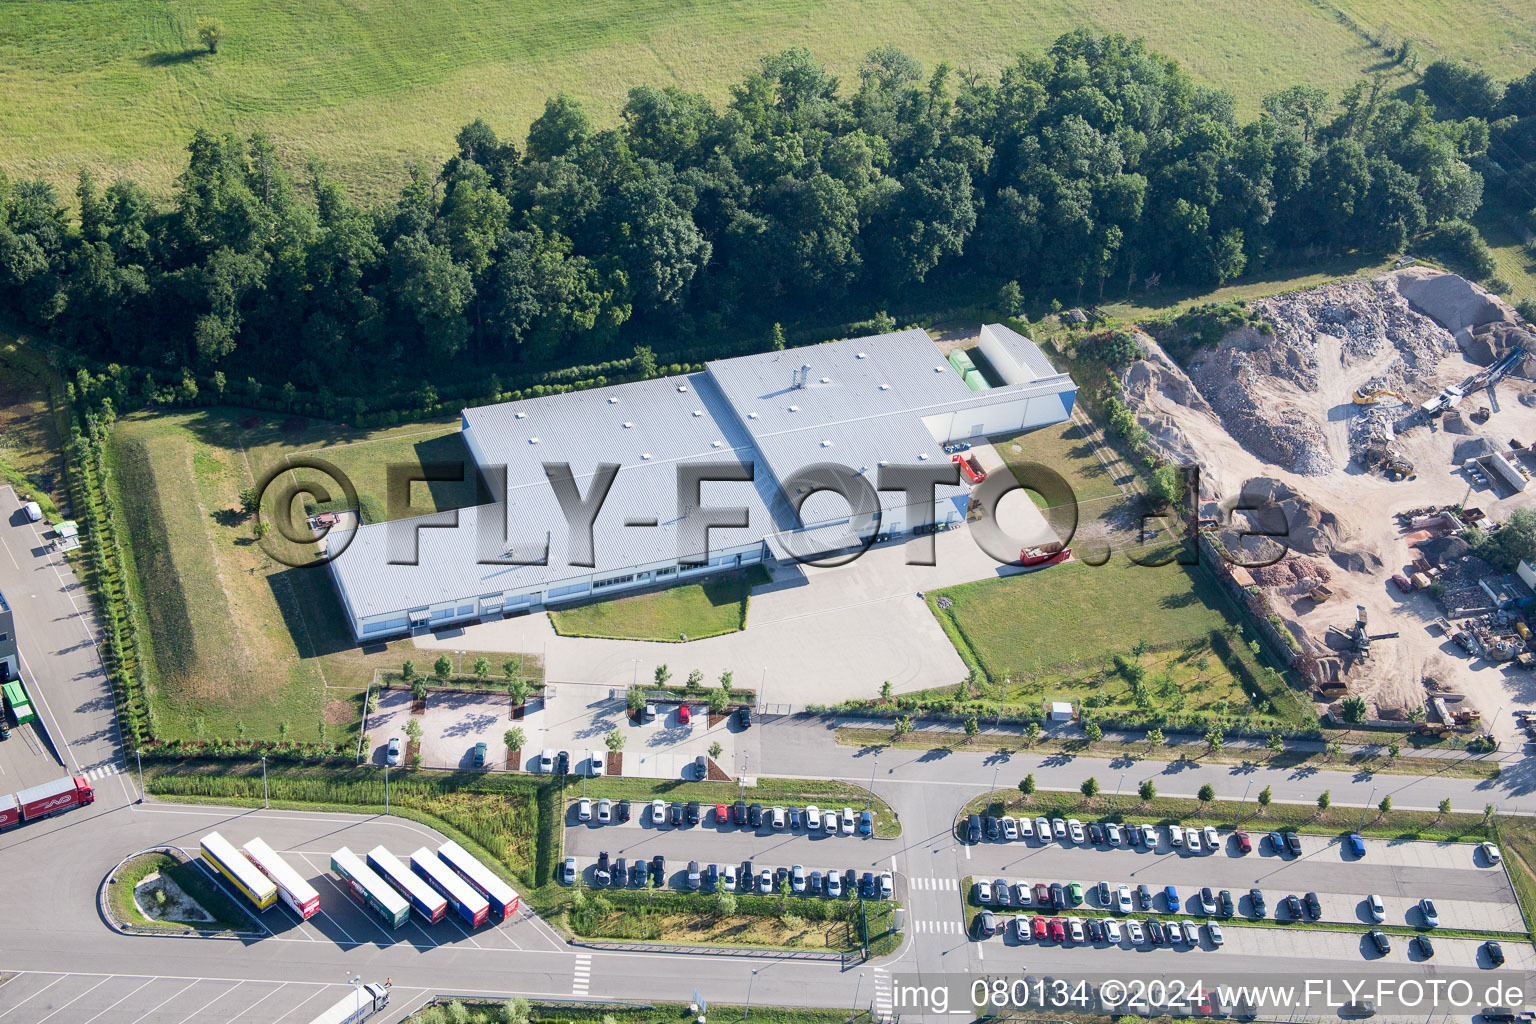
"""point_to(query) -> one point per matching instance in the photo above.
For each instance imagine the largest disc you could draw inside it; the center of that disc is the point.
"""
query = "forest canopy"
(1078, 172)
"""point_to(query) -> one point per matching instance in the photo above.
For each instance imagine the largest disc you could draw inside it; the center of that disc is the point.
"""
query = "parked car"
(1059, 829)
(813, 818)
(983, 891)
(659, 870)
(1191, 933)
(1149, 837)
(546, 761)
(1175, 837)
(888, 885)
(1042, 895)
(1144, 896)
(986, 925)
(1490, 852)
(637, 873)
(568, 872)
(1214, 930)
(695, 878)
(620, 871)
(814, 885)
(1123, 899)
(1192, 839)
(1277, 843)
(1043, 828)
(1057, 930)
(1426, 947)
(1075, 894)
(1113, 835)
(1256, 898)
(1039, 929)
(794, 818)
(600, 874)
(1171, 896)
(1155, 932)
(693, 812)
(1076, 828)
(847, 821)
(722, 816)
(1207, 901)
(649, 713)
(739, 812)
(1058, 895)
(867, 885)
(1383, 944)
(972, 829)
(1314, 906)
(1378, 910)
(563, 763)
(779, 819)
(834, 885)
(744, 716)
(712, 877)
(1293, 843)
(1076, 929)
(1095, 929)
(1402, 583)
(1095, 833)
(393, 751)
(584, 809)
(621, 810)
(1429, 913)
(701, 767)
(1002, 893)
(765, 882)
(866, 823)
(1495, 952)
(1021, 894)
(797, 878)
(1293, 907)
(829, 822)
(728, 878)
(1111, 929)
(677, 814)
(597, 763)
(1133, 929)
(1224, 903)
(604, 811)
(1356, 845)
(1026, 829)
(1244, 844)
(755, 815)
(994, 830)
(1212, 840)
(684, 716)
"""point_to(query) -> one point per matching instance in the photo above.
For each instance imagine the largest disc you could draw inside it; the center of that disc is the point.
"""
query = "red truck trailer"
(50, 798)
(10, 813)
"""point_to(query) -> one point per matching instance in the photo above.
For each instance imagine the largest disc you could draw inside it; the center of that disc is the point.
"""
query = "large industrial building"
(10, 659)
(861, 404)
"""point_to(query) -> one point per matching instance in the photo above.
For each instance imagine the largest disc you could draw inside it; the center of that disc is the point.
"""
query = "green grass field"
(707, 608)
(117, 85)
(31, 454)
(238, 637)
(1065, 448)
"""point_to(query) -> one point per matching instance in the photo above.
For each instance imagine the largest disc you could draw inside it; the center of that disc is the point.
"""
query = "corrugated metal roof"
(1023, 350)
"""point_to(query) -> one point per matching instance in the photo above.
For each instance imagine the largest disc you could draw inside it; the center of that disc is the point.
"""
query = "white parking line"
(34, 995)
(135, 992)
(77, 998)
(264, 998)
(162, 1002)
(210, 1002)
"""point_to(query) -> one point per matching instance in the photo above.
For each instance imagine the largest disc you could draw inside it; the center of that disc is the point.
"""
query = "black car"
(621, 810)
(1144, 897)
(739, 812)
(637, 873)
(1095, 833)
(659, 870)
(755, 815)
(848, 879)
(695, 879)
(1383, 944)
(712, 876)
(867, 885)
(986, 925)
(1293, 908)
(1314, 906)
(1002, 894)
(973, 829)
(693, 812)
(601, 875)
(1257, 899)
(994, 827)
(620, 871)
(744, 716)
(563, 764)
(1155, 932)
(795, 818)
(1293, 843)
(779, 874)
(1495, 952)
(1058, 895)
(746, 880)
(1426, 947)
(1095, 930)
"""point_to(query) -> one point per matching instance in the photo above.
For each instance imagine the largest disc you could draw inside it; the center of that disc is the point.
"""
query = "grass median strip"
(465, 1012)
(687, 611)
(190, 879)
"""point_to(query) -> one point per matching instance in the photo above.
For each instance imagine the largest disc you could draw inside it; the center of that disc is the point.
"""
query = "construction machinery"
(1370, 395)
(1320, 593)
(1360, 636)
(1392, 463)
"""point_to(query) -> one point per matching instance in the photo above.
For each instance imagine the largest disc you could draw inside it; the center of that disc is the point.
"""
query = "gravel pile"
(1290, 571)
(1365, 316)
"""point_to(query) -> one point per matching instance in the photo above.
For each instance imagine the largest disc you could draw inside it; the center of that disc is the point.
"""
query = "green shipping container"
(975, 381)
(961, 362)
(19, 704)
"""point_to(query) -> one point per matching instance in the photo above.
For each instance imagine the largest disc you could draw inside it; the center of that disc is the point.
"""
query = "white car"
(1214, 930)
(1022, 897)
(1491, 852)
(596, 763)
(1021, 928)
(1113, 833)
(33, 510)
(1076, 828)
(1111, 929)
(1026, 830)
(1192, 839)
(604, 811)
(887, 885)
(834, 885)
(1123, 899)
(779, 819)
(1149, 837)
(1043, 829)
(1010, 828)
(797, 878)
(546, 761)
(1191, 933)
(829, 822)
(1175, 836)
(584, 809)
(658, 813)
(812, 818)
(983, 892)
(392, 755)
(1133, 929)
(847, 821)
(1076, 928)
(728, 878)
(1059, 828)
(765, 881)
(1212, 839)
(1377, 908)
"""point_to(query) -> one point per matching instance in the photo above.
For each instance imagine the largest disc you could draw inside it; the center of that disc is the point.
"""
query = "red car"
(683, 714)
(1402, 582)
(1042, 894)
(722, 816)
(1039, 929)
(1058, 930)
(1244, 844)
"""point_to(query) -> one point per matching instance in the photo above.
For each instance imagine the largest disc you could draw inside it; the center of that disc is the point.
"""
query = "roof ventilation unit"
(533, 440)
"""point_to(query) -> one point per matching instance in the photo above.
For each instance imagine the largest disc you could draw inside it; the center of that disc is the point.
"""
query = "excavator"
(1370, 395)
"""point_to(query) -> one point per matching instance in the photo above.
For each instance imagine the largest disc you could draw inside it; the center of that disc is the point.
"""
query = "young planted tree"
(1275, 743)
(1445, 807)
(902, 727)
(1154, 738)
(972, 728)
(614, 741)
(517, 692)
(1027, 785)
(1147, 790)
(1032, 734)
(715, 750)
(418, 689)
(1324, 800)
(635, 698)
(1215, 738)
(1093, 731)
(210, 32)
(482, 668)
(695, 680)
(408, 671)
(1265, 796)
(1386, 804)
(1207, 793)
(885, 690)
(719, 699)
(662, 674)
(514, 738)
(443, 667)
(1090, 787)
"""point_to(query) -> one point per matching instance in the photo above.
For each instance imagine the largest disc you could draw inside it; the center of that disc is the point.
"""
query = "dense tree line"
(1079, 172)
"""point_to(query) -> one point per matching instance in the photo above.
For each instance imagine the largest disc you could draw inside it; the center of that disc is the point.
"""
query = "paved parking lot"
(577, 719)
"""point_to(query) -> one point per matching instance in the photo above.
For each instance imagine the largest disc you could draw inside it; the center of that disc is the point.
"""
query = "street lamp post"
(1118, 787)
(993, 791)
(386, 786)
(634, 678)
(1239, 816)
(140, 761)
(762, 690)
(747, 1011)
(1366, 809)
(853, 1010)
(871, 801)
(264, 802)
(741, 786)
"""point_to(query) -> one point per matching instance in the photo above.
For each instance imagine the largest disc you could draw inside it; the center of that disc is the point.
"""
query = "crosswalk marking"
(882, 991)
(920, 927)
(581, 978)
(936, 884)
(101, 771)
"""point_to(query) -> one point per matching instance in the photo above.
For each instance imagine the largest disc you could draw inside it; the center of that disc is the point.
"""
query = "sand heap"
(1302, 524)
(1485, 327)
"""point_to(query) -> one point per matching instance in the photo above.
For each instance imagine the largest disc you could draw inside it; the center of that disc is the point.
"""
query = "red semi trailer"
(54, 797)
